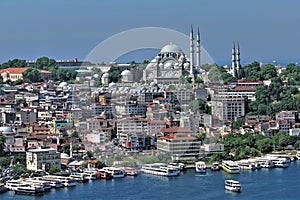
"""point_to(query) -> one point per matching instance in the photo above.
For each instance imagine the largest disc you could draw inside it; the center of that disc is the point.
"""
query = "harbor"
(160, 174)
(278, 183)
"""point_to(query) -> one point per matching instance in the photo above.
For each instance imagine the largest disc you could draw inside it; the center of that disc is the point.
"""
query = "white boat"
(233, 185)
(160, 169)
(115, 172)
(280, 163)
(66, 181)
(80, 177)
(200, 167)
(298, 155)
(181, 166)
(45, 184)
(13, 184)
(246, 166)
(29, 189)
(215, 166)
(230, 167)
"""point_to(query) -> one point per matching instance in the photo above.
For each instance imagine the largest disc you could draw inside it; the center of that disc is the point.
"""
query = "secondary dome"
(171, 48)
(126, 73)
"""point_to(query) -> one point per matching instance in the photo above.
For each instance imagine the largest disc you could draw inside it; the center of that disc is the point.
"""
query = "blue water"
(260, 184)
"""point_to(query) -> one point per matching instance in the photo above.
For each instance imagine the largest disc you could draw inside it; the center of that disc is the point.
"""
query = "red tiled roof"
(13, 70)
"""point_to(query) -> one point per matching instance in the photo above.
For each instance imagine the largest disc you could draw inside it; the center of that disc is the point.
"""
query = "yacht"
(200, 167)
(215, 166)
(233, 185)
(230, 167)
(160, 169)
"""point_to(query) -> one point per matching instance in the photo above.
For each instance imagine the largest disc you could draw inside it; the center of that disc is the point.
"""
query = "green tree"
(53, 170)
(4, 161)
(14, 63)
(264, 145)
(45, 63)
(19, 82)
(201, 137)
(32, 75)
(100, 164)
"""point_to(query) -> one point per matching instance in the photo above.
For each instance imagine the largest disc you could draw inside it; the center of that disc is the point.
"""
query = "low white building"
(43, 159)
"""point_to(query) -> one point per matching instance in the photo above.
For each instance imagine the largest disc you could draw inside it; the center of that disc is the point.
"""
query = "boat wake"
(203, 174)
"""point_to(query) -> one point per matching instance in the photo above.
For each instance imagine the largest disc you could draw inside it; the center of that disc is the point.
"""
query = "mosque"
(171, 63)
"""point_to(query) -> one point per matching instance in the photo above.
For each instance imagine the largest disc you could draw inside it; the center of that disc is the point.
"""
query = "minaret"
(233, 61)
(198, 50)
(237, 58)
(192, 54)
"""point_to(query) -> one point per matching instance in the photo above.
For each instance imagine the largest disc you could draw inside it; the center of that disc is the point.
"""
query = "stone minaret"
(198, 50)
(233, 61)
(238, 59)
(192, 54)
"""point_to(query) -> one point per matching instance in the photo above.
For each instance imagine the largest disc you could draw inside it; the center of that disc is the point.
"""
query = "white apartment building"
(180, 147)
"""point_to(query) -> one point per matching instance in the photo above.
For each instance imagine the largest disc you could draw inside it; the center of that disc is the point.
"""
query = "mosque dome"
(105, 75)
(112, 84)
(126, 73)
(171, 48)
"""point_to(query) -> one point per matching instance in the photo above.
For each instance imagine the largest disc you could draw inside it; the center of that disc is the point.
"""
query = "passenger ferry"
(246, 166)
(13, 184)
(160, 169)
(115, 172)
(66, 181)
(45, 184)
(79, 177)
(200, 167)
(28, 189)
(233, 185)
(230, 167)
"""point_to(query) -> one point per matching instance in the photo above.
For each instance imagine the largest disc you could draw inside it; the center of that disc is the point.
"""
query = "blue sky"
(266, 30)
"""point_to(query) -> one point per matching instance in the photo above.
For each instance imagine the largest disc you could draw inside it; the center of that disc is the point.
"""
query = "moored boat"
(115, 172)
(160, 169)
(103, 174)
(200, 167)
(215, 166)
(130, 172)
(79, 177)
(233, 185)
(230, 167)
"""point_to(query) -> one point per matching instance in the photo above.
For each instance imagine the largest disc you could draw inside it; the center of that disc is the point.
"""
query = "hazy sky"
(267, 30)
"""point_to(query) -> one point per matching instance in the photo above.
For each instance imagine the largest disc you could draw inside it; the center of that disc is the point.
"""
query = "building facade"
(43, 159)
